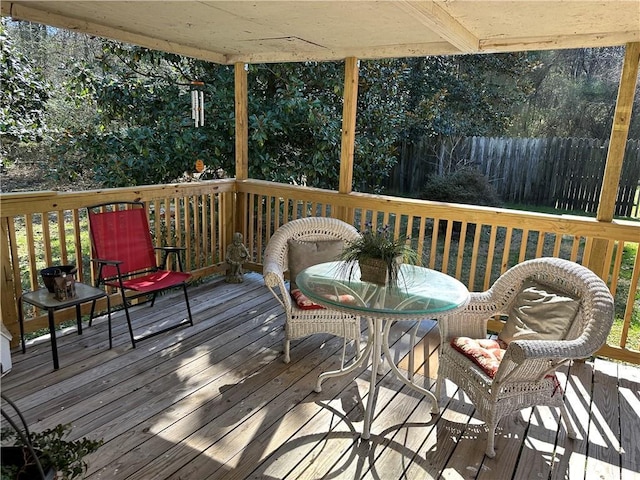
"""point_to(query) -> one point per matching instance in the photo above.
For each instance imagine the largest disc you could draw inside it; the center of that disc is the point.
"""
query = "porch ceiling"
(286, 31)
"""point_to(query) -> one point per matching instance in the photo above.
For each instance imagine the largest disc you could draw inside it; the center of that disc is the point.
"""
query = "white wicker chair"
(299, 322)
(525, 374)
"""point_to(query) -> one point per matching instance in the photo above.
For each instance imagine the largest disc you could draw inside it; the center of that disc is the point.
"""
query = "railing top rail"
(12, 204)
(565, 224)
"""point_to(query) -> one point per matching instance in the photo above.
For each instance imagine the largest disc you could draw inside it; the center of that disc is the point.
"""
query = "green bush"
(65, 456)
(467, 185)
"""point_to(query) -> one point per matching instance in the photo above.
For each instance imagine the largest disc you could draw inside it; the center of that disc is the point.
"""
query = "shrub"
(467, 185)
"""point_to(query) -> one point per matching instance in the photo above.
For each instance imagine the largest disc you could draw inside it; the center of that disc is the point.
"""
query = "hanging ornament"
(197, 103)
(199, 166)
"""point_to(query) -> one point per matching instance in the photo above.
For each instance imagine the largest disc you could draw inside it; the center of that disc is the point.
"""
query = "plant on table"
(380, 244)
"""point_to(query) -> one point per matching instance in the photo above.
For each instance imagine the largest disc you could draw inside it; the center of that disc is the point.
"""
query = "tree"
(23, 94)
(143, 132)
(296, 120)
(575, 94)
(294, 123)
(447, 98)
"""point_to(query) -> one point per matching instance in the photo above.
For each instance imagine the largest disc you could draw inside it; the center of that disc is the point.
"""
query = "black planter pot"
(15, 456)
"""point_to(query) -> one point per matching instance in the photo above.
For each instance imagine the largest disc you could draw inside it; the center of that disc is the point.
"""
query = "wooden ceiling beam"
(435, 18)
(387, 51)
(555, 42)
(21, 12)
(272, 32)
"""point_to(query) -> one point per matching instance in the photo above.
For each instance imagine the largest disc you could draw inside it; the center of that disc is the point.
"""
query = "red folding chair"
(125, 257)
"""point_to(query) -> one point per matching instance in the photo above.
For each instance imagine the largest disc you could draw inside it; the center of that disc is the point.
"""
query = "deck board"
(215, 401)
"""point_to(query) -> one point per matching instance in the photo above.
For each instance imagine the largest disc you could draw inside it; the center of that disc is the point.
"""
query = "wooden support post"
(242, 121)
(349, 112)
(242, 143)
(615, 154)
(9, 311)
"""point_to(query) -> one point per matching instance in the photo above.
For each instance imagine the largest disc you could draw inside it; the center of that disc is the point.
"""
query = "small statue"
(237, 255)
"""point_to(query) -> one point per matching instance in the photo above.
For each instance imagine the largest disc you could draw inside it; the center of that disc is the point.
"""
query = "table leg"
(399, 375)
(54, 342)
(79, 319)
(355, 365)
(373, 392)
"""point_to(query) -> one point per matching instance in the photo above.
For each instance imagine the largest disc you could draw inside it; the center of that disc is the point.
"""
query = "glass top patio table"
(419, 294)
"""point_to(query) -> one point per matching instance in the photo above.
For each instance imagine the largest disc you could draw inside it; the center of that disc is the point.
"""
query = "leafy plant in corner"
(44, 451)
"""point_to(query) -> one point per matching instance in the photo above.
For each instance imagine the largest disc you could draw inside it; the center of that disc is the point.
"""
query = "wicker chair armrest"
(274, 280)
(515, 369)
(471, 321)
(553, 350)
(273, 274)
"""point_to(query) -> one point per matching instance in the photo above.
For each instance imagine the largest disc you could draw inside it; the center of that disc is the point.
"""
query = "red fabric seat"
(160, 280)
(126, 258)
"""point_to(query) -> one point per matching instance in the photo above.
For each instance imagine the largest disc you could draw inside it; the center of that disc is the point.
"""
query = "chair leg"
(109, 321)
(186, 299)
(491, 434)
(126, 313)
(287, 346)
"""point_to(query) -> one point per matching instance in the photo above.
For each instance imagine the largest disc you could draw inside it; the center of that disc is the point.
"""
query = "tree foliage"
(143, 132)
(121, 113)
(464, 95)
(449, 97)
(294, 123)
(575, 95)
(23, 94)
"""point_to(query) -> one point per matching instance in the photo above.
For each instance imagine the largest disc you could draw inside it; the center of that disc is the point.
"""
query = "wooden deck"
(215, 401)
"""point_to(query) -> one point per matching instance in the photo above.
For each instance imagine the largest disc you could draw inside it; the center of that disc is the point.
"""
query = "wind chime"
(197, 103)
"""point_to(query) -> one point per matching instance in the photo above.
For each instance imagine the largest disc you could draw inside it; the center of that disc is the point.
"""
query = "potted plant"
(43, 455)
(379, 255)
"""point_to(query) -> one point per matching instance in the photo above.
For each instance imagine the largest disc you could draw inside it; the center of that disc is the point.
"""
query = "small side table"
(46, 300)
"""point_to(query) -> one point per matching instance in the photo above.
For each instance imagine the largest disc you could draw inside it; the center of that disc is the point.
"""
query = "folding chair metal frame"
(133, 271)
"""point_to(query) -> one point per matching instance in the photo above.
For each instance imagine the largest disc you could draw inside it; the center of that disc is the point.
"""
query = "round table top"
(419, 293)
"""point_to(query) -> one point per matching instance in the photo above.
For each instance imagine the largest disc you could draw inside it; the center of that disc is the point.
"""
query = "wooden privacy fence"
(564, 173)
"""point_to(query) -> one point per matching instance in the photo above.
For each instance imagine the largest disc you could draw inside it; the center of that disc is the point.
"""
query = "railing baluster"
(195, 215)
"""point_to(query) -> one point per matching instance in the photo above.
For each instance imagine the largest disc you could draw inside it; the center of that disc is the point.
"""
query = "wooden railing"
(474, 244)
(50, 228)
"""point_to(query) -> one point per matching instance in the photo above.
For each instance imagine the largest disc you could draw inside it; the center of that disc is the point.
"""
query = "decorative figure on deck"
(237, 255)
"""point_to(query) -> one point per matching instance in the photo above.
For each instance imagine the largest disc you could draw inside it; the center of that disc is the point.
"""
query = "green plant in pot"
(43, 455)
(379, 255)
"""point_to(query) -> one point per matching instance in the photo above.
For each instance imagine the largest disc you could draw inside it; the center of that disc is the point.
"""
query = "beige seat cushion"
(539, 313)
(303, 254)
